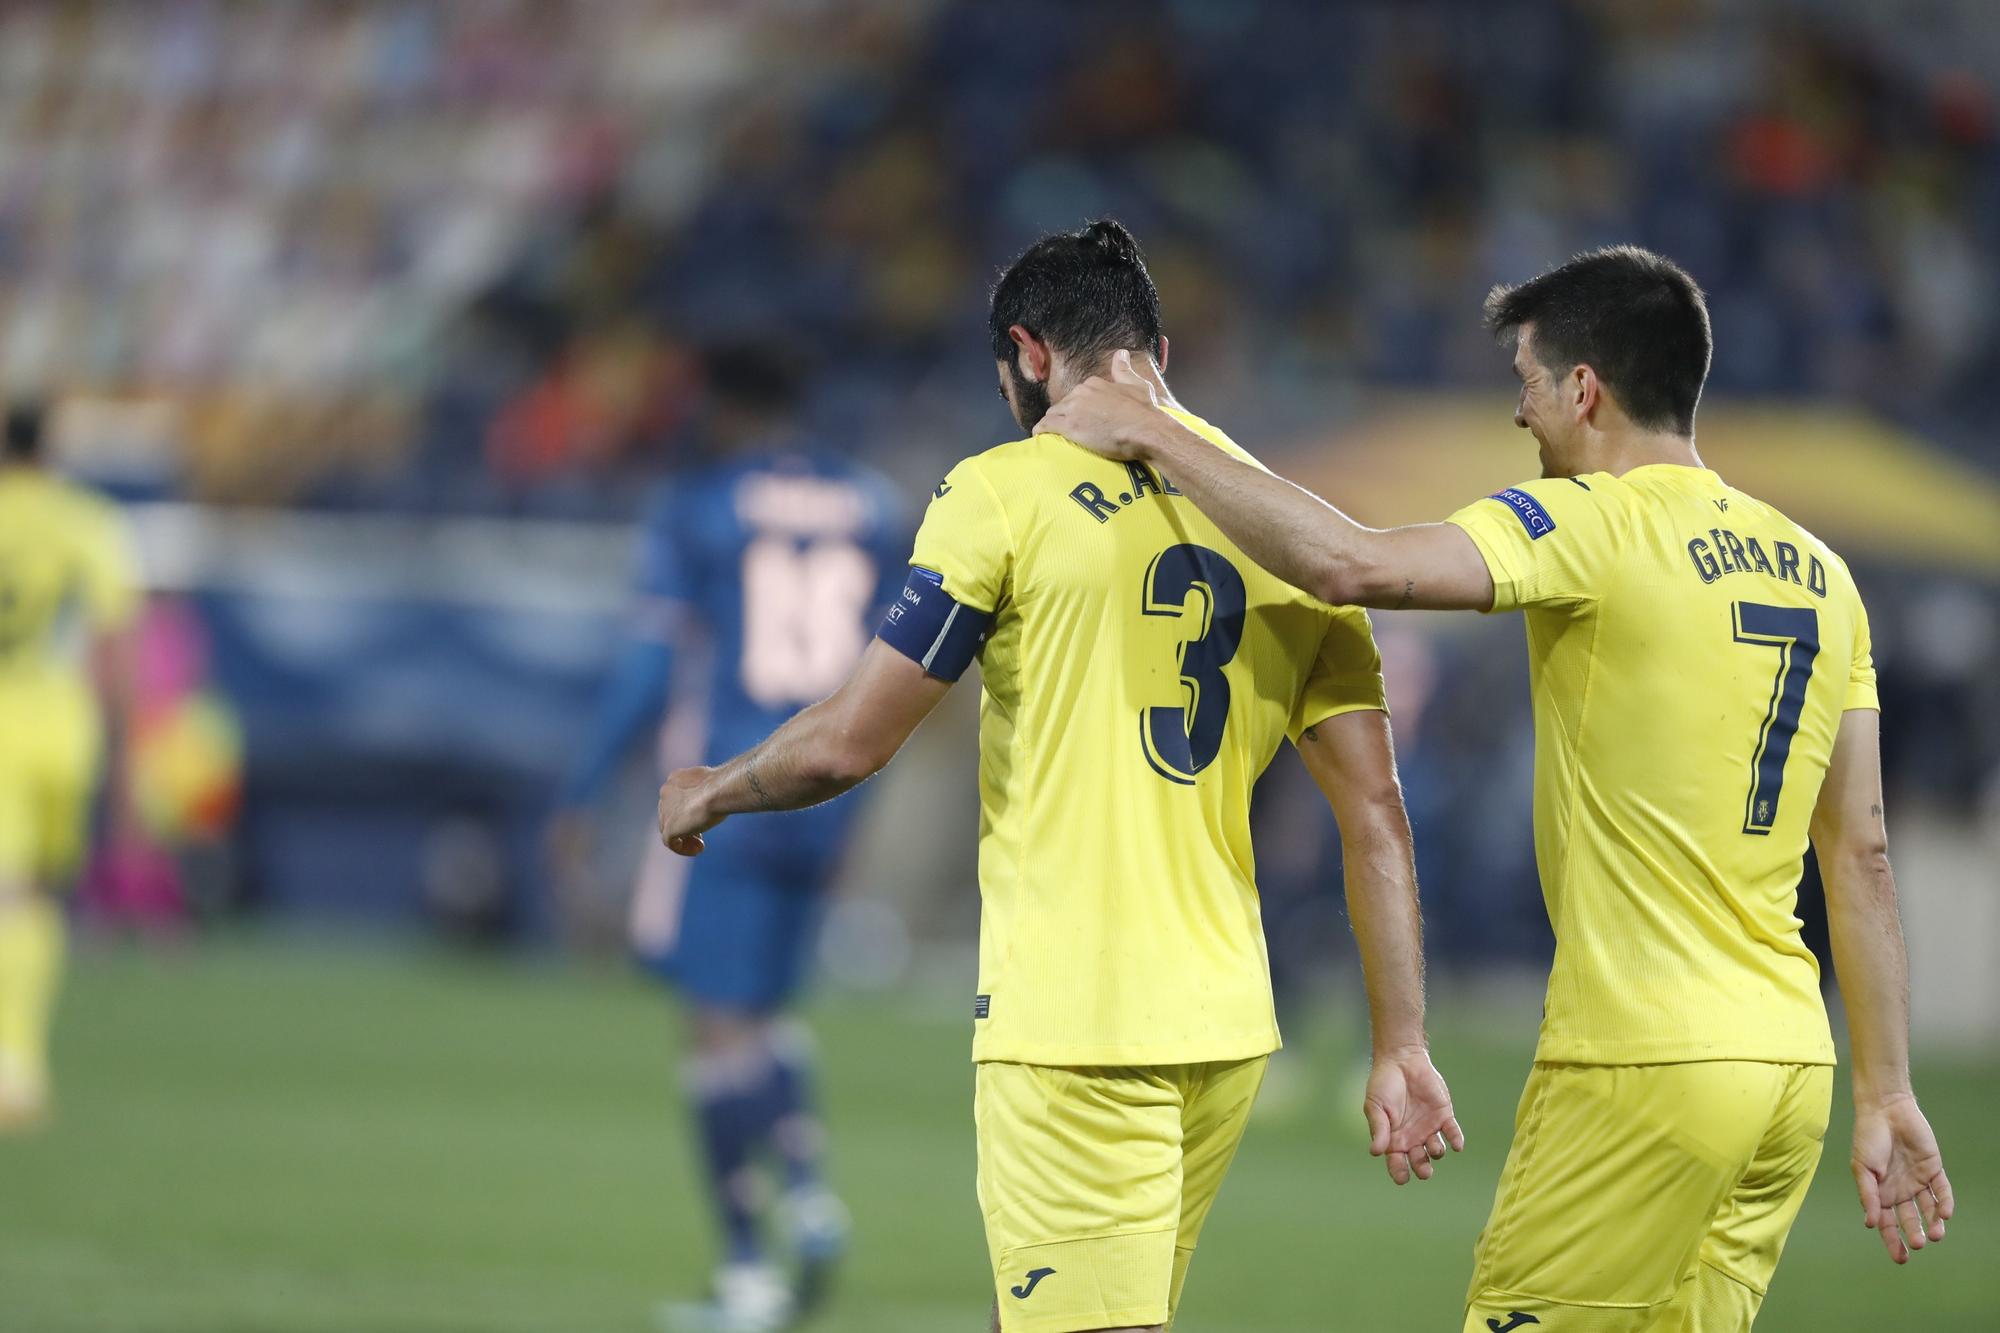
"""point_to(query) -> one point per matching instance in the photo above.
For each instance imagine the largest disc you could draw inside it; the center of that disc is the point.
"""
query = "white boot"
(749, 1298)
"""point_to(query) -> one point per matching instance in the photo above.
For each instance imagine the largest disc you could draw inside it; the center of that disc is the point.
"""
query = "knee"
(728, 1032)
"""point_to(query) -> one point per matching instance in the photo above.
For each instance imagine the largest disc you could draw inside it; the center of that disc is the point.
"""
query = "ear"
(1163, 354)
(1586, 392)
(1032, 355)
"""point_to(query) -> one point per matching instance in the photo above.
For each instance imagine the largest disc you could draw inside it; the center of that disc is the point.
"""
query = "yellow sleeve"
(1861, 671)
(1546, 543)
(965, 539)
(110, 571)
(1346, 677)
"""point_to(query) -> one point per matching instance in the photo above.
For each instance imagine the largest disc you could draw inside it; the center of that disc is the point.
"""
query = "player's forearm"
(1381, 874)
(1282, 526)
(1873, 968)
(811, 759)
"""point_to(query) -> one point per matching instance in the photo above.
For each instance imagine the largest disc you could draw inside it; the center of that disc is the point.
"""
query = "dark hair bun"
(1084, 292)
(1111, 234)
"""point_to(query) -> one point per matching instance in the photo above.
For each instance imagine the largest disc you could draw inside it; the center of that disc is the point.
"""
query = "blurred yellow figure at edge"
(68, 595)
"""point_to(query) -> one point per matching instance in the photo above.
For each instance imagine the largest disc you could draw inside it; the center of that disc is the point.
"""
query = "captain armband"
(925, 625)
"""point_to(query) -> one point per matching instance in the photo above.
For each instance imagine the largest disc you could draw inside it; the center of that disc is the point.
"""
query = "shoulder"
(1813, 543)
(56, 491)
(1592, 490)
(1820, 558)
(1034, 451)
(1594, 495)
(87, 525)
(1215, 435)
(1548, 505)
(999, 468)
(979, 499)
(1808, 541)
(88, 507)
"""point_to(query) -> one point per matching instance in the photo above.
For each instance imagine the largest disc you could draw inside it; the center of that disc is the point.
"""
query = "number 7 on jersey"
(1794, 632)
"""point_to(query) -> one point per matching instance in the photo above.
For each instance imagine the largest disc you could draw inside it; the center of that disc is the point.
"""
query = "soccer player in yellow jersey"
(68, 589)
(1139, 673)
(1704, 705)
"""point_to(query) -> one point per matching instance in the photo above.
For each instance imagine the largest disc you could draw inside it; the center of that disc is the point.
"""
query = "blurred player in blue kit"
(762, 575)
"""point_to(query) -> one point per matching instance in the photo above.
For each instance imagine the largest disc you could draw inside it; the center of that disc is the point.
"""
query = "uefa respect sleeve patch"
(1529, 510)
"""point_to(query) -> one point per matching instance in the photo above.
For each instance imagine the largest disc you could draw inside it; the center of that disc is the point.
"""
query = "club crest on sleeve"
(1529, 510)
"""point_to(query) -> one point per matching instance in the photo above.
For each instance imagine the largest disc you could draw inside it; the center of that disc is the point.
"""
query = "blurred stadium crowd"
(453, 255)
(428, 259)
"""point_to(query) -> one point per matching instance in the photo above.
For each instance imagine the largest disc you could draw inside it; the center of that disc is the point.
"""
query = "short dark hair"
(1085, 293)
(761, 375)
(24, 430)
(1634, 317)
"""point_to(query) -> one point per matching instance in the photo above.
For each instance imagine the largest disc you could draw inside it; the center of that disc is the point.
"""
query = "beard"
(1030, 399)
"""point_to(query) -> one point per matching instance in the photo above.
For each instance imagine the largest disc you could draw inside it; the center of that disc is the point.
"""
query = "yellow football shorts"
(1648, 1197)
(1095, 1184)
(50, 739)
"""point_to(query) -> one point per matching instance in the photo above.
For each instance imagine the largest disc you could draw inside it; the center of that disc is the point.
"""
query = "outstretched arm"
(1897, 1166)
(838, 743)
(1282, 526)
(1410, 1118)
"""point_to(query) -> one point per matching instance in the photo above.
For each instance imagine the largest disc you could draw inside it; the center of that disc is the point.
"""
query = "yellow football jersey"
(1691, 652)
(1138, 675)
(65, 562)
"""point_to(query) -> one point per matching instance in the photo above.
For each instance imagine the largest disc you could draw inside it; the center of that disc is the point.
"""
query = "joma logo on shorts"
(1035, 1276)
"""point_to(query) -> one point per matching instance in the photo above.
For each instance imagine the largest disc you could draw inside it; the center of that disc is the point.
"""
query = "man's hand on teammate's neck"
(1115, 414)
(1288, 530)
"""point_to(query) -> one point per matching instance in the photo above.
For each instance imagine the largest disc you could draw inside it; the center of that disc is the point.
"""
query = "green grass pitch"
(259, 1137)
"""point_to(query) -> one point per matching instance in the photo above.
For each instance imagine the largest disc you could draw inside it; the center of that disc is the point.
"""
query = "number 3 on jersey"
(1180, 742)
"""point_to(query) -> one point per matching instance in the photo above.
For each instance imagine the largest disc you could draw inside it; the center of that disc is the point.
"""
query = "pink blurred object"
(173, 654)
(134, 883)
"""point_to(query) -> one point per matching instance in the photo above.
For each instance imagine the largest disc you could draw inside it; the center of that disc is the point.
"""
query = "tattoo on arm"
(764, 801)
(1310, 733)
(1875, 810)
(1409, 595)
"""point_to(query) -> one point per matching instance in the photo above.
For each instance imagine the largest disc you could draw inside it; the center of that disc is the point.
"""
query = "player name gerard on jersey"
(1723, 552)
